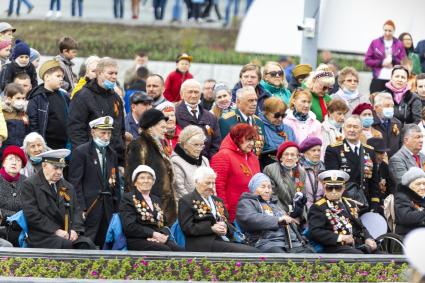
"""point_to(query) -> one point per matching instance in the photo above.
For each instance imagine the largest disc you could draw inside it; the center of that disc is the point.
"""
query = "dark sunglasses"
(277, 115)
(330, 188)
(326, 88)
(275, 73)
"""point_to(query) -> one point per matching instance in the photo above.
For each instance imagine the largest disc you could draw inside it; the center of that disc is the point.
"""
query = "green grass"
(214, 46)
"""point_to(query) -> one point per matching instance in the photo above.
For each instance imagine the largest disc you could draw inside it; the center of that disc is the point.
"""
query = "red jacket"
(234, 171)
(173, 84)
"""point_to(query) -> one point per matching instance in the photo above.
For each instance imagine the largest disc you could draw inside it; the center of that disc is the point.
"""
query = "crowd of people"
(242, 169)
(197, 10)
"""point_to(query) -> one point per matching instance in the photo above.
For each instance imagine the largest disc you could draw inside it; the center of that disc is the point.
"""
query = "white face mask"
(19, 105)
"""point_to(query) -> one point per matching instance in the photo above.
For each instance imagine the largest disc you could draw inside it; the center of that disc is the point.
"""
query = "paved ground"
(102, 11)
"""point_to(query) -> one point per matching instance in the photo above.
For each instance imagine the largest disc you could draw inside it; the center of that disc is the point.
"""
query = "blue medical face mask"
(100, 143)
(388, 112)
(367, 121)
(334, 123)
(36, 160)
(109, 85)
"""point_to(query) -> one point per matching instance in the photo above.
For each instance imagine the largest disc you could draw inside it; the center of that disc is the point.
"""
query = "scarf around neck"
(189, 159)
(398, 93)
(7, 177)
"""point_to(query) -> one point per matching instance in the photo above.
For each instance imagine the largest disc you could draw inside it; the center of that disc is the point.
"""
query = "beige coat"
(184, 182)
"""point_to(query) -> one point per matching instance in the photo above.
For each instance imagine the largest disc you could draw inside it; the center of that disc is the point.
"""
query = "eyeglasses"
(352, 81)
(330, 188)
(326, 88)
(275, 73)
(13, 159)
(277, 115)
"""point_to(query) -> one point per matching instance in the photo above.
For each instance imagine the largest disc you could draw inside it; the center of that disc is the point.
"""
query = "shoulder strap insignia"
(320, 202)
(367, 146)
(338, 143)
(229, 114)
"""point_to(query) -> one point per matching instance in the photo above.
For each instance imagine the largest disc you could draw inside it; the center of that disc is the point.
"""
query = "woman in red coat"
(235, 164)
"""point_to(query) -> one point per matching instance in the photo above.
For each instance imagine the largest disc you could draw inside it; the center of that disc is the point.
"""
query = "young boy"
(20, 64)
(48, 106)
(6, 31)
(5, 47)
(14, 106)
(68, 49)
(177, 77)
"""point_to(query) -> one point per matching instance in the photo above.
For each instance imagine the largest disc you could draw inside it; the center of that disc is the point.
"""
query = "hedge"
(203, 269)
(214, 46)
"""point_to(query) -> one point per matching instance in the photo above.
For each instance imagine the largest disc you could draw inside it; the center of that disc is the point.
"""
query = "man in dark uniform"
(246, 105)
(50, 207)
(333, 220)
(356, 159)
(94, 173)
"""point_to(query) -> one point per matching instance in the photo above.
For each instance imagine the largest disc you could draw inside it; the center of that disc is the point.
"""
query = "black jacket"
(132, 223)
(38, 109)
(409, 110)
(322, 230)
(409, 210)
(92, 102)
(12, 69)
(85, 174)
(196, 226)
(45, 212)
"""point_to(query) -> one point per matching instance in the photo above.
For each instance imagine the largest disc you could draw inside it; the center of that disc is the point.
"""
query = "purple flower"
(262, 258)
(135, 265)
(364, 273)
(94, 273)
(238, 264)
(145, 263)
(189, 261)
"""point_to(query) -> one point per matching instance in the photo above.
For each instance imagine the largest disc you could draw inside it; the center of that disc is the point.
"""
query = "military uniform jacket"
(228, 120)
(327, 220)
(45, 211)
(196, 219)
(339, 156)
(85, 174)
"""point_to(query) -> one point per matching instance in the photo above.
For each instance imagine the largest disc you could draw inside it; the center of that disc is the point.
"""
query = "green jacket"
(416, 69)
(315, 105)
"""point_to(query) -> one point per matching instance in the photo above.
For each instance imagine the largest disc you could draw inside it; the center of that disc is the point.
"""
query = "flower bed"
(205, 270)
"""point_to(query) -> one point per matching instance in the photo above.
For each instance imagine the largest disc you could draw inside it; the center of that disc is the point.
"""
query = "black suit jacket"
(197, 228)
(390, 135)
(85, 174)
(45, 211)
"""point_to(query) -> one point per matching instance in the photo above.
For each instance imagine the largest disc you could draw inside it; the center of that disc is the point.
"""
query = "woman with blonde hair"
(319, 83)
(300, 118)
(223, 100)
(274, 81)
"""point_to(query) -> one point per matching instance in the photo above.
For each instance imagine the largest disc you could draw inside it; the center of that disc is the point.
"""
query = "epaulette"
(320, 202)
(256, 117)
(367, 146)
(338, 143)
(229, 114)
(353, 201)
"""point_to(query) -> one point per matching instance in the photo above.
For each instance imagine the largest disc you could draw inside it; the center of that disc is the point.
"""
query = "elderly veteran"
(50, 206)
(266, 225)
(203, 218)
(409, 203)
(333, 220)
(186, 158)
(34, 144)
(173, 130)
(93, 171)
(142, 217)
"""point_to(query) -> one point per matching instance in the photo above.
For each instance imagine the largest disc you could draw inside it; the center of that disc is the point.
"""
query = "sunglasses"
(326, 88)
(275, 73)
(329, 188)
(277, 115)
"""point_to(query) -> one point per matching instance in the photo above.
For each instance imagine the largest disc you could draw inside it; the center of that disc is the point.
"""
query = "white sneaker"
(49, 14)
(58, 14)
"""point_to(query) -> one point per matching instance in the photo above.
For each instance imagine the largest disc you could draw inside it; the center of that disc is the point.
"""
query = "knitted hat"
(150, 118)
(21, 48)
(5, 43)
(362, 107)
(49, 64)
(309, 143)
(256, 181)
(34, 54)
(284, 146)
(140, 169)
(13, 149)
(301, 70)
(411, 175)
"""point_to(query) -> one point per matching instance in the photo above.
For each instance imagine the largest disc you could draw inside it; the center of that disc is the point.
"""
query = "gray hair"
(190, 132)
(188, 83)
(353, 117)
(240, 93)
(105, 62)
(380, 97)
(30, 138)
(203, 172)
(221, 86)
(409, 129)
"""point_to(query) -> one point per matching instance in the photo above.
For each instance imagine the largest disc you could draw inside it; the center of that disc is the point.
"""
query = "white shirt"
(246, 118)
(190, 108)
(352, 146)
